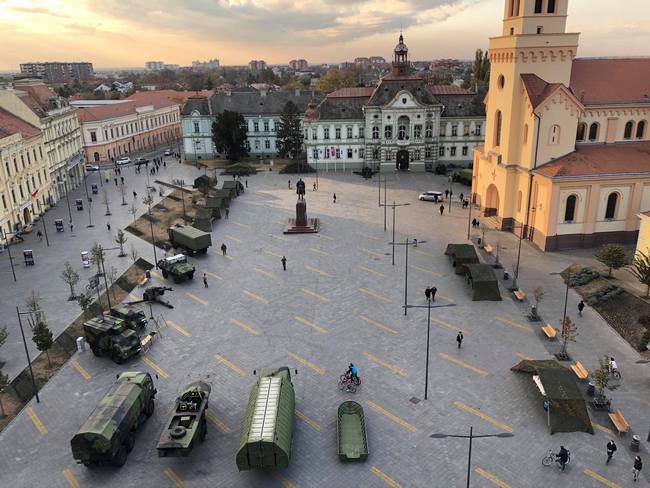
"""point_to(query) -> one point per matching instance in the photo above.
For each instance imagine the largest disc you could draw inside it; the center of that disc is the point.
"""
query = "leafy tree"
(612, 256)
(601, 375)
(43, 338)
(640, 268)
(229, 132)
(70, 277)
(209, 84)
(480, 76)
(289, 139)
(97, 256)
(4, 382)
(84, 302)
(568, 332)
(120, 239)
(335, 79)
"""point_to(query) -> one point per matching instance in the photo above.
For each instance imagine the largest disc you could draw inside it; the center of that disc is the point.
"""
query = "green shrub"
(440, 169)
(606, 293)
(582, 277)
(463, 176)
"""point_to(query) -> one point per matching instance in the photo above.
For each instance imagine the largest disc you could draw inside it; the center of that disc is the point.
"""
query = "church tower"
(401, 59)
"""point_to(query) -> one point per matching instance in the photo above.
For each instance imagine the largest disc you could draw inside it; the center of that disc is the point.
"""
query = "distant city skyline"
(110, 33)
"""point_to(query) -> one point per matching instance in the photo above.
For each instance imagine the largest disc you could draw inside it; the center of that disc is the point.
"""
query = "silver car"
(122, 160)
(431, 196)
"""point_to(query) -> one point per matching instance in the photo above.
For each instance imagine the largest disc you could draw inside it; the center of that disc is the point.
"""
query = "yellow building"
(643, 242)
(566, 158)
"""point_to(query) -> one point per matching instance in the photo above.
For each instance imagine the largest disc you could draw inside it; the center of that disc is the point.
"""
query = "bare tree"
(34, 308)
(97, 256)
(601, 375)
(133, 210)
(569, 332)
(134, 253)
(120, 239)
(70, 277)
(4, 382)
(112, 277)
(106, 202)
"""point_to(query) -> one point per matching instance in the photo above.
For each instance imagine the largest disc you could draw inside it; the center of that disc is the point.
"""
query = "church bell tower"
(401, 58)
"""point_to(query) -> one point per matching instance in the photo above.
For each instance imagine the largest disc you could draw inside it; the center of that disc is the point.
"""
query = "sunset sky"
(126, 33)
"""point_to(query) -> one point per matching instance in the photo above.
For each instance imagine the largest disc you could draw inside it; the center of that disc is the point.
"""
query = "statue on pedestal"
(300, 189)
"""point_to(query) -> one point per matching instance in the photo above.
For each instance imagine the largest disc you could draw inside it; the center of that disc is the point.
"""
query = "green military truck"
(108, 435)
(133, 317)
(187, 423)
(235, 187)
(177, 267)
(267, 430)
(192, 241)
(108, 335)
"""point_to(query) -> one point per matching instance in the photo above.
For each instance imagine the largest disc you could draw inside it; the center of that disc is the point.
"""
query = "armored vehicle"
(192, 241)
(187, 423)
(133, 317)
(178, 267)
(267, 430)
(108, 435)
(108, 335)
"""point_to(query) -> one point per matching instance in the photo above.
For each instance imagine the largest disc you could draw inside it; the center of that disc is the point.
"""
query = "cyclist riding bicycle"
(562, 457)
(613, 367)
(352, 372)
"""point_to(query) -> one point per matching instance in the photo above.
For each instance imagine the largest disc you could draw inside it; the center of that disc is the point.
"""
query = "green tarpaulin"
(461, 255)
(485, 285)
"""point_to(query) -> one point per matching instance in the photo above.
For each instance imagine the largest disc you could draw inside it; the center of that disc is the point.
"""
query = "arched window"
(538, 6)
(612, 200)
(593, 131)
(525, 133)
(551, 7)
(388, 132)
(375, 132)
(640, 129)
(582, 129)
(570, 209)
(554, 135)
(401, 132)
(629, 127)
(497, 128)
(96, 156)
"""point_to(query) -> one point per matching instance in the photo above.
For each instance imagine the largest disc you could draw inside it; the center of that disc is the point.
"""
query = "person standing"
(433, 293)
(115, 181)
(122, 179)
(638, 465)
(284, 263)
(289, 184)
(71, 226)
(135, 195)
(459, 338)
(442, 209)
(334, 198)
(223, 248)
(581, 307)
(427, 293)
(39, 234)
(446, 194)
(108, 226)
(227, 212)
(314, 187)
(611, 449)
(205, 280)
(246, 181)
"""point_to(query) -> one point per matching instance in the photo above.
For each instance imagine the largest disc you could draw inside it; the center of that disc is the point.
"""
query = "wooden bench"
(488, 248)
(550, 331)
(619, 422)
(520, 295)
(580, 371)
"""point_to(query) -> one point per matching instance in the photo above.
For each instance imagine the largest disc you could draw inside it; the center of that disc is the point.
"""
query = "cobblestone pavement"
(340, 300)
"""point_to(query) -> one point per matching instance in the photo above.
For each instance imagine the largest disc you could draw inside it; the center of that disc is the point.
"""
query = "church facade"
(566, 159)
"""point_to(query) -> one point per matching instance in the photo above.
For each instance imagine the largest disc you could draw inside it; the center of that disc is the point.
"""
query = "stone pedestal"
(301, 213)
(301, 224)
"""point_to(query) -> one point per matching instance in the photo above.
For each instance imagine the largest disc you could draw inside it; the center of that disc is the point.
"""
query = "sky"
(126, 33)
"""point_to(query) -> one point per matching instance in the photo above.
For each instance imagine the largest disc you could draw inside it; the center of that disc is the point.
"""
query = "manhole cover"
(414, 400)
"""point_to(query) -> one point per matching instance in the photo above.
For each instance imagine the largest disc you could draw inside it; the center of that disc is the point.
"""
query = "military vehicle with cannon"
(109, 336)
(153, 294)
(192, 241)
(177, 267)
(133, 317)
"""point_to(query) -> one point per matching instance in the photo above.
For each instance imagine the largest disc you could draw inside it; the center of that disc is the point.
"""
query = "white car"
(431, 196)
(123, 160)
(168, 152)
(92, 167)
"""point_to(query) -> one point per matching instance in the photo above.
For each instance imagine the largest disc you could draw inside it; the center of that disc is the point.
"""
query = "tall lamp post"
(566, 294)
(450, 180)
(407, 243)
(29, 362)
(393, 205)
(67, 198)
(43, 224)
(11, 259)
(148, 200)
(471, 437)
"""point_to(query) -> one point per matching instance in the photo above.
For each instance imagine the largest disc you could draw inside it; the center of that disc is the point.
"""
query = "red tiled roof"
(39, 92)
(600, 160)
(110, 111)
(611, 80)
(10, 124)
(449, 90)
(538, 90)
(165, 98)
(354, 92)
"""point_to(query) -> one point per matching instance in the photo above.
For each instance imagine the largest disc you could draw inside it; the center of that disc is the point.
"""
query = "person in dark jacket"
(581, 307)
(284, 263)
(427, 293)
(611, 449)
(223, 248)
(563, 457)
(638, 465)
(459, 338)
(433, 293)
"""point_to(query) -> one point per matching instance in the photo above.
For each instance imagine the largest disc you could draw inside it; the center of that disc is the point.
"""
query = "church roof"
(603, 81)
(600, 160)
(449, 90)
(360, 91)
(388, 88)
(537, 89)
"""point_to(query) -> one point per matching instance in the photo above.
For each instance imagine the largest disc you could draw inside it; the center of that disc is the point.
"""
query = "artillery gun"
(153, 294)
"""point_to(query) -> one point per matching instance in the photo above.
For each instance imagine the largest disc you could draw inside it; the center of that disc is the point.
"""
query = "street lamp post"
(471, 437)
(90, 217)
(11, 259)
(408, 243)
(450, 180)
(43, 224)
(67, 198)
(29, 362)
(108, 295)
(393, 205)
(566, 294)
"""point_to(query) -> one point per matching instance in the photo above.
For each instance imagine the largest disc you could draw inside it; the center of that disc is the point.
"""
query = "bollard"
(636, 443)
(81, 344)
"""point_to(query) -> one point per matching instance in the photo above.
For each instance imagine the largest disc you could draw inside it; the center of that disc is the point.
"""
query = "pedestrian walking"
(581, 307)
(227, 212)
(314, 187)
(459, 338)
(164, 164)
(115, 181)
(122, 179)
(284, 263)
(433, 293)
(473, 222)
(334, 198)
(289, 184)
(427, 293)
(478, 223)
(442, 209)
(460, 197)
(71, 227)
(223, 248)
(637, 467)
(611, 449)
(39, 234)
(205, 280)
(135, 195)
(108, 226)
(446, 194)
(246, 183)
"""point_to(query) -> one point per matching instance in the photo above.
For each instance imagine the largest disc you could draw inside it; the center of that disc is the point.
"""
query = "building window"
(267, 144)
(465, 150)
(497, 128)
(4, 201)
(196, 128)
(361, 132)
(454, 130)
(314, 134)
(402, 133)
(427, 152)
(93, 136)
(337, 133)
(538, 6)
(441, 151)
(96, 156)
(416, 155)
(582, 129)
(375, 132)
(477, 130)
(315, 153)
(551, 7)
(417, 131)
(349, 132)
(554, 135)
(540, 29)
(257, 144)
(570, 210)
(612, 201)
(501, 82)
(453, 151)
(640, 129)
(266, 126)
(112, 135)
(629, 128)
(388, 132)
(593, 131)
(375, 153)
(428, 131)
(7, 168)
(361, 153)
(349, 153)
(326, 133)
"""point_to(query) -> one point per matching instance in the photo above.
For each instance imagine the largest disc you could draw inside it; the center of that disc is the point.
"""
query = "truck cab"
(108, 335)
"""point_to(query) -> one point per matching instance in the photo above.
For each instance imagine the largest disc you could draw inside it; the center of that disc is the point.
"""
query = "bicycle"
(347, 384)
(615, 373)
(551, 457)
(354, 379)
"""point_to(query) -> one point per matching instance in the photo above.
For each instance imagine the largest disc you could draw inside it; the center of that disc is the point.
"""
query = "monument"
(301, 224)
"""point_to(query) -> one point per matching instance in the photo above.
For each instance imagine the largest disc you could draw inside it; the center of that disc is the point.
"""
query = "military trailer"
(267, 430)
(108, 335)
(187, 424)
(177, 267)
(192, 241)
(108, 435)
(133, 317)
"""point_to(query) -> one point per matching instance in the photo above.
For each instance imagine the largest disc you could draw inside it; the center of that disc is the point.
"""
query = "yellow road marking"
(265, 273)
(178, 328)
(80, 369)
(271, 253)
(383, 363)
(318, 251)
(481, 415)
(314, 294)
(375, 295)
(432, 273)
(169, 472)
(70, 478)
(391, 416)
(283, 481)
(372, 238)
(232, 238)
(279, 238)
(385, 478)
(424, 253)
(311, 324)
(523, 356)
(246, 327)
(218, 423)
(213, 275)
(601, 479)
(368, 251)
(161, 372)
(316, 270)
(256, 297)
(156, 275)
(372, 271)
(514, 324)
(242, 225)
(37, 422)
(303, 361)
(230, 365)
(448, 325)
(307, 420)
(491, 478)
(463, 364)
(195, 298)
(325, 237)
(377, 324)
(602, 428)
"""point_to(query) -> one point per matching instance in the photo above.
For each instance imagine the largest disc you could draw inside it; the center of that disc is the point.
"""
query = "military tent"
(484, 282)
(461, 255)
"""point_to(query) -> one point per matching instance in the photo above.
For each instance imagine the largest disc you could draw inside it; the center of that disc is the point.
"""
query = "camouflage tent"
(461, 255)
(484, 282)
(567, 410)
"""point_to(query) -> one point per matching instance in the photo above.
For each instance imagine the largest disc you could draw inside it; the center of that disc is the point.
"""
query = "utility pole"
(29, 362)
(394, 205)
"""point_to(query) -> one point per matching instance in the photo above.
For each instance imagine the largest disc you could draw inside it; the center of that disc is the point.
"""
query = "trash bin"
(591, 389)
(636, 443)
(81, 344)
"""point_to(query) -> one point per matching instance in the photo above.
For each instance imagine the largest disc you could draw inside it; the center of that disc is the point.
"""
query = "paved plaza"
(339, 301)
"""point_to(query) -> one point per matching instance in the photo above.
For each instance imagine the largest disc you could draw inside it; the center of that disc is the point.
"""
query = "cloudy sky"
(120, 33)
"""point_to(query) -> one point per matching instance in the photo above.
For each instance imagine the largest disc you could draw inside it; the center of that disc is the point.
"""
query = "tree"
(133, 210)
(209, 84)
(34, 308)
(70, 277)
(289, 138)
(480, 76)
(612, 256)
(601, 375)
(43, 338)
(134, 253)
(97, 256)
(229, 133)
(4, 382)
(569, 332)
(640, 268)
(335, 79)
(84, 302)
(120, 239)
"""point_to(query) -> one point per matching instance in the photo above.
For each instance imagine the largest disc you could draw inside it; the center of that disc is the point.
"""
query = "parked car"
(92, 167)
(123, 160)
(141, 161)
(431, 196)
(168, 152)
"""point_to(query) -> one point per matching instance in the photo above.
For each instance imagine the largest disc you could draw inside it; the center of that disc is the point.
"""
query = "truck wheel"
(130, 442)
(148, 410)
(115, 356)
(165, 273)
(178, 432)
(96, 351)
(120, 456)
(203, 251)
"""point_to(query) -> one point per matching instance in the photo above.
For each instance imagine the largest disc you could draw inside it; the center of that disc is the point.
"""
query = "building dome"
(401, 47)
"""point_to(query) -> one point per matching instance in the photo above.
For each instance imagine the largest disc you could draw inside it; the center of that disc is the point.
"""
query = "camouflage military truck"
(177, 267)
(133, 317)
(108, 335)
(235, 187)
(187, 424)
(192, 241)
(267, 430)
(108, 435)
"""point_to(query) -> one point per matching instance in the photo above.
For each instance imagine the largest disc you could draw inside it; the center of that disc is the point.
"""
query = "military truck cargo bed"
(192, 240)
